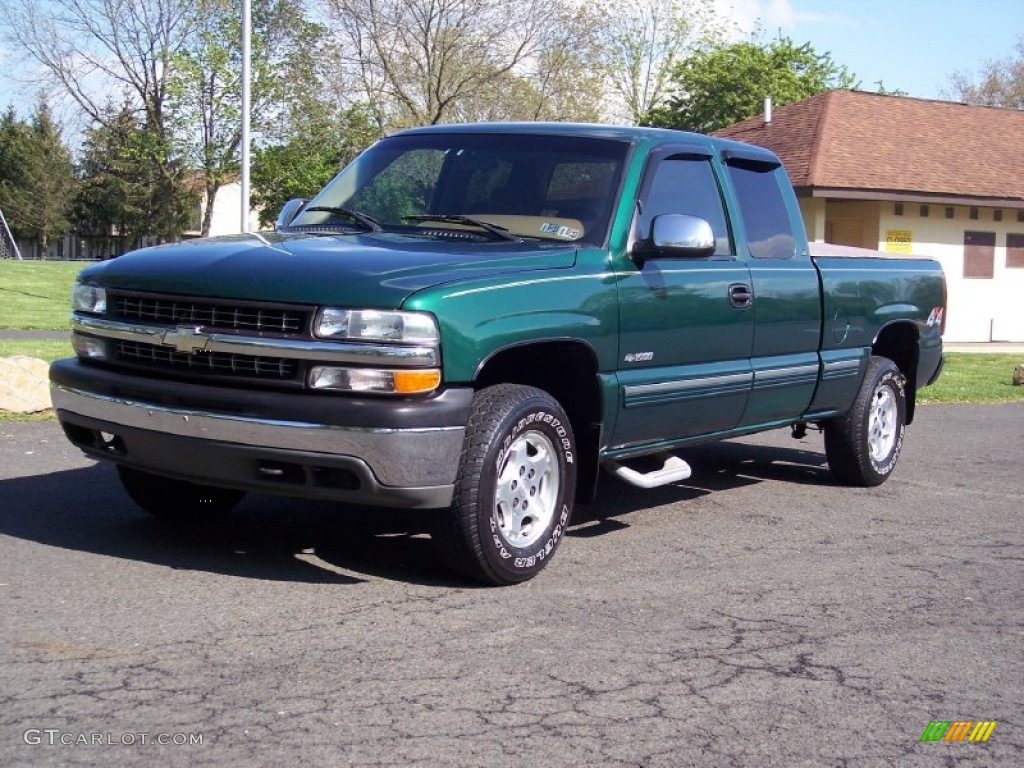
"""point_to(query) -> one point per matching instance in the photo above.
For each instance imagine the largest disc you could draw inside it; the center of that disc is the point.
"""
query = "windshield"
(483, 186)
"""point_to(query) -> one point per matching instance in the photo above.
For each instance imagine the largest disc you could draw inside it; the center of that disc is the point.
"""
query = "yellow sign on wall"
(898, 240)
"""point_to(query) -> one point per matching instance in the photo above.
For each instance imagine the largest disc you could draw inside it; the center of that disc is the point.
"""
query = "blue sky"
(910, 45)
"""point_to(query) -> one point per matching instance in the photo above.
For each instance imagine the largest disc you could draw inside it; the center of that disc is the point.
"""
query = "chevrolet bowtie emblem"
(187, 339)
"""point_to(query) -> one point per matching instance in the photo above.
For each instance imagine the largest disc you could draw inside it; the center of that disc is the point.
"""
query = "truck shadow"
(266, 538)
(717, 467)
(281, 539)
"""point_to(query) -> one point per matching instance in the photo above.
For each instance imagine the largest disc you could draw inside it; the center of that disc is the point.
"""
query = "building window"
(1015, 251)
(979, 254)
(1020, 216)
(924, 211)
(974, 214)
(898, 209)
(950, 212)
(997, 214)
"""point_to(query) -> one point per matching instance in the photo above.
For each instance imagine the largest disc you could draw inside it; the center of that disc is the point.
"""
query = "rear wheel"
(176, 500)
(515, 487)
(864, 445)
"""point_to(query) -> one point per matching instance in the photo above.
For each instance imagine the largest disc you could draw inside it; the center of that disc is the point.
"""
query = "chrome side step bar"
(673, 470)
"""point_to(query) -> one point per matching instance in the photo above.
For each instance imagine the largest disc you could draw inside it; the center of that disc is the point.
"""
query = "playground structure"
(8, 248)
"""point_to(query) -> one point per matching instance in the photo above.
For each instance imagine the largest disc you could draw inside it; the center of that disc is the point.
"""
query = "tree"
(417, 62)
(1000, 83)
(121, 197)
(322, 144)
(205, 86)
(36, 177)
(643, 43)
(563, 81)
(729, 83)
(95, 51)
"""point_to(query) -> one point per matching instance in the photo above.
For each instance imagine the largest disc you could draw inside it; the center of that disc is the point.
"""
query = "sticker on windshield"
(560, 230)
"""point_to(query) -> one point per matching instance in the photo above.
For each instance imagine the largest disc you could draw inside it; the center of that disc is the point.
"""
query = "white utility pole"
(246, 77)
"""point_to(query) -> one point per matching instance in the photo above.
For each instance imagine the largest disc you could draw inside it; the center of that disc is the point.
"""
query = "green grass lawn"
(36, 294)
(46, 349)
(975, 378)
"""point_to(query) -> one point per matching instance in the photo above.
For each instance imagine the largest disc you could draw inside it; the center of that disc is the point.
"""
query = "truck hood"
(378, 270)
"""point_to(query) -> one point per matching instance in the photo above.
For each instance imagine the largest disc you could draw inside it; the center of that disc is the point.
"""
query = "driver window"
(686, 185)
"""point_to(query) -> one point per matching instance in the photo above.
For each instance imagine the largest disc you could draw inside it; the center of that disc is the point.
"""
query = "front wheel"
(515, 486)
(176, 500)
(864, 445)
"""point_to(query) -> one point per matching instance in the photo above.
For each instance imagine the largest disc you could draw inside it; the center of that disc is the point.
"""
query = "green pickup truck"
(477, 319)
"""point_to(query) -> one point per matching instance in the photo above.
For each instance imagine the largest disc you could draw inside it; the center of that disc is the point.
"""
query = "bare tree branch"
(429, 61)
(1000, 82)
(645, 41)
(101, 51)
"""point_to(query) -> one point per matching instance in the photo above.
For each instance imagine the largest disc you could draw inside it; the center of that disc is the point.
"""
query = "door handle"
(740, 295)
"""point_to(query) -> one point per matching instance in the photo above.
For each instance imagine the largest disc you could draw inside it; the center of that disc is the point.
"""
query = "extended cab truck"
(475, 319)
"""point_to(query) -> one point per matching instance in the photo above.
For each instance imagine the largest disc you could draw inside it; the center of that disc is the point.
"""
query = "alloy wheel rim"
(882, 424)
(527, 489)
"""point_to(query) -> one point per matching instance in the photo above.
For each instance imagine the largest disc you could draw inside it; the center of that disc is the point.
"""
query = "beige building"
(905, 175)
(227, 212)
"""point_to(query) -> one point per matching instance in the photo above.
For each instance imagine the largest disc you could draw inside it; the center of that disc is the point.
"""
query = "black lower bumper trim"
(299, 474)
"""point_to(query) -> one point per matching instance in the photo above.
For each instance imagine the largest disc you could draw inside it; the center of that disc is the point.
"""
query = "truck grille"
(211, 315)
(215, 363)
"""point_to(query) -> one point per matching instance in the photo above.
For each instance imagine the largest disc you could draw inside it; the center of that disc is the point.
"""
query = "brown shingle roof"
(865, 141)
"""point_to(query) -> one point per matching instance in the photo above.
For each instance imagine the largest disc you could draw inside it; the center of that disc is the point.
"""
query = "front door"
(684, 355)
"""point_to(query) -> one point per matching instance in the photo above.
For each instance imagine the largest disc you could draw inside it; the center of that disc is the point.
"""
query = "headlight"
(88, 298)
(376, 325)
(387, 382)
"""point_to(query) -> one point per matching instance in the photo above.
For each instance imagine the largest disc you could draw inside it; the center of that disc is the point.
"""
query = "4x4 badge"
(186, 338)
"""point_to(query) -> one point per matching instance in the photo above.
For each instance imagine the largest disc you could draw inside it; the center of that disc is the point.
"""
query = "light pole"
(246, 77)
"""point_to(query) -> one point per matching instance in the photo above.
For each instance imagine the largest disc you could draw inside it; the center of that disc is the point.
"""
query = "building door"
(846, 232)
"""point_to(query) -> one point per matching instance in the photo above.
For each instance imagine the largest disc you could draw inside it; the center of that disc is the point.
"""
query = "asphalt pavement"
(22, 335)
(756, 615)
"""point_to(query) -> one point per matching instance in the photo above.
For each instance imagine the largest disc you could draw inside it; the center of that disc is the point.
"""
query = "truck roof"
(627, 133)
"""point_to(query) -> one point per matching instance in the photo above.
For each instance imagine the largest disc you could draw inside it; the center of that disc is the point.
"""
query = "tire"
(864, 445)
(176, 500)
(515, 487)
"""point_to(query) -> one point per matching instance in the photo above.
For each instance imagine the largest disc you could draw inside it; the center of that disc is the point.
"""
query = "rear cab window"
(758, 185)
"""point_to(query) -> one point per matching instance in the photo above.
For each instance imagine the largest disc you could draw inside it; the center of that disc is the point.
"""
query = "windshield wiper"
(495, 229)
(368, 222)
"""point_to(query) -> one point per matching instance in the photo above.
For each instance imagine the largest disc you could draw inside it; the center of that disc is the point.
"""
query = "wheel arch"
(900, 341)
(567, 370)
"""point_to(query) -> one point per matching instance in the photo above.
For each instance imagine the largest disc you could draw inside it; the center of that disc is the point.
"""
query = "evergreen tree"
(37, 181)
(122, 197)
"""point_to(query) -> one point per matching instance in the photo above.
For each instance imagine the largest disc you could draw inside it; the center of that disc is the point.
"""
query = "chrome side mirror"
(677, 236)
(289, 211)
